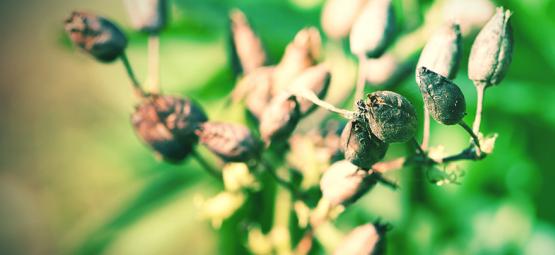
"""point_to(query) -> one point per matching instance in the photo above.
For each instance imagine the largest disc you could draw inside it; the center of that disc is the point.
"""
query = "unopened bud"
(360, 146)
(344, 183)
(256, 89)
(167, 124)
(392, 117)
(491, 53)
(366, 239)
(338, 16)
(247, 50)
(443, 98)
(231, 142)
(280, 118)
(148, 16)
(442, 53)
(317, 79)
(96, 36)
(373, 30)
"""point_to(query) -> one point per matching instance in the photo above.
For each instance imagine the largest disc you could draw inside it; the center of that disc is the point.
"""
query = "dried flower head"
(344, 183)
(443, 98)
(148, 16)
(317, 79)
(492, 50)
(366, 239)
(246, 47)
(96, 36)
(443, 51)
(392, 117)
(231, 142)
(374, 29)
(167, 124)
(338, 16)
(280, 118)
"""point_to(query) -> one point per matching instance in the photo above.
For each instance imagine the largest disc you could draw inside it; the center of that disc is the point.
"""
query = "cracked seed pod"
(231, 142)
(392, 117)
(360, 146)
(317, 79)
(338, 16)
(246, 47)
(373, 30)
(299, 55)
(96, 36)
(280, 118)
(492, 50)
(443, 51)
(148, 16)
(344, 183)
(167, 124)
(443, 98)
(368, 239)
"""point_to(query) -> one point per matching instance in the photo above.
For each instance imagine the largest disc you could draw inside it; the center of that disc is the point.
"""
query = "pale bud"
(316, 79)
(338, 16)
(280, 118)
(373, 30)
(148, 16)
(443, 51)
(368, 239)
(231, 142)
(343, 183)
(247, 49)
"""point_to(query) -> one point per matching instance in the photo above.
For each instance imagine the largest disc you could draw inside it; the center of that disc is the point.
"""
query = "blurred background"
(74, 179)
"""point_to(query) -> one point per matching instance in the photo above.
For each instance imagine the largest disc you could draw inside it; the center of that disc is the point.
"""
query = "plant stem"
(139, 92)
(426, 131)
(153, 78)
(310, 96)
(361, 79)
(473, 135)
(286, 184)
(207, 166)
(480, 90)
(417, 146)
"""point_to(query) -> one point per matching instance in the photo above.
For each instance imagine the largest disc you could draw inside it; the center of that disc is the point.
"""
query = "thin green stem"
(284, 183)
(207, 166)
(473, 135)
(138, 90)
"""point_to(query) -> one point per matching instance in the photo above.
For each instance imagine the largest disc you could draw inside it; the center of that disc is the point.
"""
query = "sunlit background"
(74, 179)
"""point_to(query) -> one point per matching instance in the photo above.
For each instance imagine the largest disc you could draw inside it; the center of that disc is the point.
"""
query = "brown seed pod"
(366, 239)
(317, 79)
(338, 16)
(344, 183)
(392, 117)
(443, 51)
(231, 142)
(148, 16)
(360, 146)
(280, 118)
(443, 98)
(246, 47)
(374, 29)
(96, 36)
(167, 124)
(492, 50)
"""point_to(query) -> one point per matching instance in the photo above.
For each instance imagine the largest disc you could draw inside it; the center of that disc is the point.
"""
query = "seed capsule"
(360, 146)
(317, 79)
(491, 53)
(148, 16)
(374, 29)
(344, 183)
(443, 98)
(280, 118)
(167, 124)
(338, 16)
(246, 47)
(366, 239)
(256, 89)
(392, 117)
(442, 53)
(96, 36)
(231, 142)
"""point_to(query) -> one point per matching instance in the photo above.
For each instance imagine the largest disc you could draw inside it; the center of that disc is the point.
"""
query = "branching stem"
(473, 135)
(207, 166)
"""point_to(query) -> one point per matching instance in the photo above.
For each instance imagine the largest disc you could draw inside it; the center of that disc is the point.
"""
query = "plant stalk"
(153, 78)
(480, 91)
(139, 92)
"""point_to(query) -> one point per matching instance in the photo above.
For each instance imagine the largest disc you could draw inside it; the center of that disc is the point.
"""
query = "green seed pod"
(442, 53)
(344, 183)
(96, 36)
(148, 16)
(443, 98)
(338, 16)
(317, 79)
(231, 142)
(492, 51)
(366, 239)
(374, 29)
(391, 116)
(246, 47)
(360, 146)
(280, 118)
(167, 124)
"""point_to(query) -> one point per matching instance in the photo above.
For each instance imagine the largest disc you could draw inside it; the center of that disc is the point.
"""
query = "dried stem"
(139, 92)
(480, 90)
(310, 96)
(153, 75)
(207, 166)
(361, 79)
(426, 131)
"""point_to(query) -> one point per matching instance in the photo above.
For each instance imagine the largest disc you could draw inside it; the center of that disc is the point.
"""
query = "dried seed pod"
(167, 124)
(247, 50)
(280, 118)
(392, 117)
(443, 51)
(231, 142)
(492, 50)
(366, 239)
(317, 79)
(299, 55)
(373, 30)
(256, 89)
(443, 98)
(148, 16)
(338, 16)
(360, 146)
(344, 183)
(96, 36)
